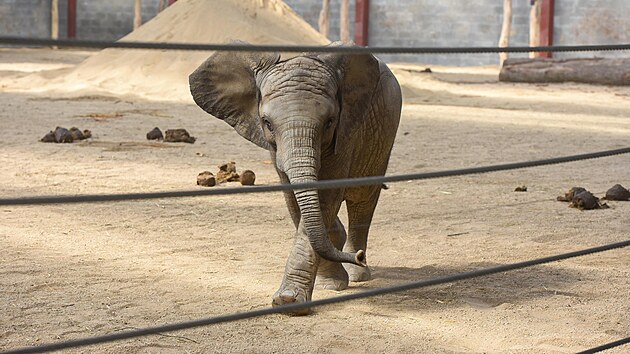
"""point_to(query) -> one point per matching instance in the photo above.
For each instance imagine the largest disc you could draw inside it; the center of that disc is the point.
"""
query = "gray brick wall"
(310, 9)
(110, 19)
(392, 23)
(27, 18)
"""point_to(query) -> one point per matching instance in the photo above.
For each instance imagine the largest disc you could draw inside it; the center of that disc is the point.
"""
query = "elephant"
(322, 116)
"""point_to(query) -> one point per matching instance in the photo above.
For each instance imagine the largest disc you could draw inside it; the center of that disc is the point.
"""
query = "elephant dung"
(227, 173)
(63, 135)
(206, 179)
(155, 134)
(79, 135)
(521, 189)
(586, 201)
(248, 177)
(617, 192)
(178, 136)
(568, 196)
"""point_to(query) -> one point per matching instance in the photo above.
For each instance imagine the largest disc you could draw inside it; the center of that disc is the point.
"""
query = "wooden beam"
(137, 14)
(534, 26)
(54, 19)
(361, 24)
(72, 19)
(324, 19)
(506, 28)
(547, 10)
(344, 21)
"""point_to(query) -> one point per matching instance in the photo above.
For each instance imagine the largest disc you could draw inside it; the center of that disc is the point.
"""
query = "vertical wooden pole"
(54, 19)
(361, 23)
(324, 19)
(504, 39)
(344, 21)
(137, 14)
(72, 19)
(534, 26)
(547, 10)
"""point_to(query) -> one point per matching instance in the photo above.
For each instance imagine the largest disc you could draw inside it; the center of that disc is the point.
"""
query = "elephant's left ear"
(225, 86)
(359, 75)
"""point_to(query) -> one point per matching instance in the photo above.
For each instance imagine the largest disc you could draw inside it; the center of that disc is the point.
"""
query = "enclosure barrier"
(318, 185)
(317, 303)
(243, 47)
(324, 184)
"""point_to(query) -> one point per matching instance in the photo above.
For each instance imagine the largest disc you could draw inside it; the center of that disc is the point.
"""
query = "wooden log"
(602, 71)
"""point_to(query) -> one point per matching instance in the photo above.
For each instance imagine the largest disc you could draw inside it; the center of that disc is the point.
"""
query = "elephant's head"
(300, 108)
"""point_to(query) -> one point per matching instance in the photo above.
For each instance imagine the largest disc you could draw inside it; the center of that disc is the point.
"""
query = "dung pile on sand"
(164, 74)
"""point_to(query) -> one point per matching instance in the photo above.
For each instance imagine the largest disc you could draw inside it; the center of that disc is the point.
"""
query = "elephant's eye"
(268, 125)
(330, 123)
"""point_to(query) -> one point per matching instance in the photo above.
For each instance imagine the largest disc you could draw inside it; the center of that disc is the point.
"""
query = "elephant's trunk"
(301, 164)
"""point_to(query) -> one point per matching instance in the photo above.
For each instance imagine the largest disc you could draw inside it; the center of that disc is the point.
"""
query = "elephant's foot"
(356, 273)
(331, 276)
(288, 295)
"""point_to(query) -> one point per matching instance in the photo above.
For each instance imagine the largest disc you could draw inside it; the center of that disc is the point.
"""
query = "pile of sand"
(164, 74)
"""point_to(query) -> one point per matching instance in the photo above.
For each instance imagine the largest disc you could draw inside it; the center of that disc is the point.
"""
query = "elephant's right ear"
(225, 86)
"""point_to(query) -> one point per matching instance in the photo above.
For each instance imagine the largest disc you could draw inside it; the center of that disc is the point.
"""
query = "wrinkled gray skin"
(324, 116)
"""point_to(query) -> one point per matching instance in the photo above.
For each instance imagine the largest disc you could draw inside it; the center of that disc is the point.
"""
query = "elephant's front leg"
(299, 274)
(332, 275)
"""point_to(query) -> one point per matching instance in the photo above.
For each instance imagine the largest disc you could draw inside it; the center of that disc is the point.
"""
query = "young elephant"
(325, 116)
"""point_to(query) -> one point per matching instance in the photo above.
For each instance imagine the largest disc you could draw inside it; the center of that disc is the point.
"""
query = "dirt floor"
(80, 270)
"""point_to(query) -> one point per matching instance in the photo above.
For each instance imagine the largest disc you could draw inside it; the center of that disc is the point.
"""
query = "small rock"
(248, 177)
(155, 134)
(384, 186)
(206, 179)
(521, 189)
(227, 173)
(87, 133)
(617, 192)
(178, 136)
(568, 196)
(62, 135)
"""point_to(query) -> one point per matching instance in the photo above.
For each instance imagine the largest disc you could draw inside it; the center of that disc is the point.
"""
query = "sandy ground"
(74, 271)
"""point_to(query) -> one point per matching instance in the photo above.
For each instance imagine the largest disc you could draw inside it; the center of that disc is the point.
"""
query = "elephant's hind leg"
(361, 203)
(332, 275)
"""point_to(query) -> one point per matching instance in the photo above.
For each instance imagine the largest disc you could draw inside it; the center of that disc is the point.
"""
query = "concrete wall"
(392, 23)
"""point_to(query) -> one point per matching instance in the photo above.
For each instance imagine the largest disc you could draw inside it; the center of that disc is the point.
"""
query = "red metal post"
(361, 22)
(546, 26)
(72, 19)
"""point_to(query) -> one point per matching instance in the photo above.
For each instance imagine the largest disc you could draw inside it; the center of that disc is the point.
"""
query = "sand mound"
(164, 74)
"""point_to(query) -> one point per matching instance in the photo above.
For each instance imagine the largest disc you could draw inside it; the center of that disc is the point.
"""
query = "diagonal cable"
(312, 304)
(324, 184)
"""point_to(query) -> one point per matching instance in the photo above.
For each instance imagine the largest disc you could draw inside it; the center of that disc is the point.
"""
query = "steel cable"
(240, 47)
(312, 304)
(606, 346)
(324, 184)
